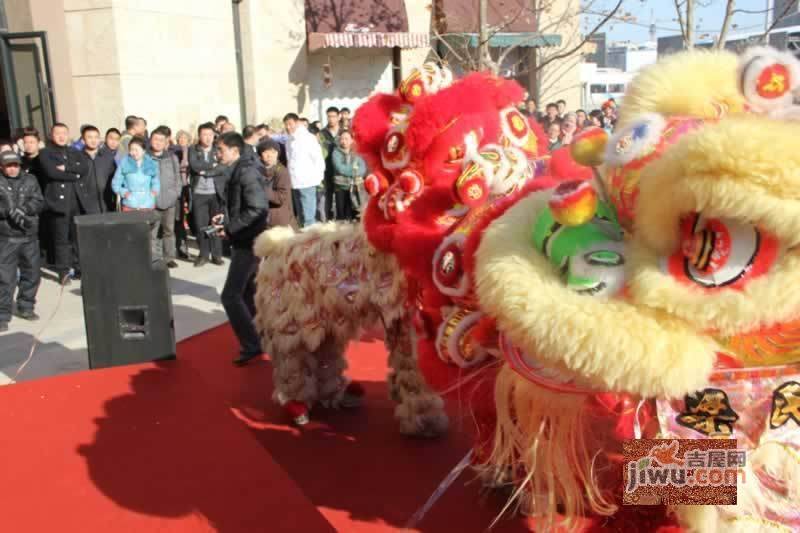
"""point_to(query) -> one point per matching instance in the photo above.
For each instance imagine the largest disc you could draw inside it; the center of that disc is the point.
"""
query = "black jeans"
(204, 208)
(180, 220)
(344, 206)
(65, 242)
(22, 255)
(238, 298)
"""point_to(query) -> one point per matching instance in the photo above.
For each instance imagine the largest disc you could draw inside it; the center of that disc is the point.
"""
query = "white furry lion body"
(321, 288)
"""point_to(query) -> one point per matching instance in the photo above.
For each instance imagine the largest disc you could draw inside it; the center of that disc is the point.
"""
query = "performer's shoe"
(245, 358)
(353, 395)
(298, 411)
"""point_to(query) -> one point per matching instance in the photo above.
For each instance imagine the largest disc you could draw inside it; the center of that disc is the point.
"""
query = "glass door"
(27, 80)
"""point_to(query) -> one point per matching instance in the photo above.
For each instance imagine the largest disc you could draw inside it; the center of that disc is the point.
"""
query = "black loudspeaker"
(126, 298)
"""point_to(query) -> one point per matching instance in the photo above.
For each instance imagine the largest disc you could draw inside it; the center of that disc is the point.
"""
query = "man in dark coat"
(68, 193)
(31, 146)
(328, 139)
(21, 202)
(101, 168)
(245, 217)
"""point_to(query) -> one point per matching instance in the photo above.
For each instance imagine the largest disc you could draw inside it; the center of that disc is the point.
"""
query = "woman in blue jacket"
(136, 180)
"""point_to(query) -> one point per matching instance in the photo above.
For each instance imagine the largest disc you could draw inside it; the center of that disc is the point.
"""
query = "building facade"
(630, 57)
(182, 62)
(791, 8)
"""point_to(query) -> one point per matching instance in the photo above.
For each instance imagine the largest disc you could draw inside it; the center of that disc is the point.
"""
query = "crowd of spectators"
(305, 173)
(198, 184)
(561, 125)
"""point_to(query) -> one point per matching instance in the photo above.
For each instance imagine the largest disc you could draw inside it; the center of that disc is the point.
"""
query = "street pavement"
(60, 334)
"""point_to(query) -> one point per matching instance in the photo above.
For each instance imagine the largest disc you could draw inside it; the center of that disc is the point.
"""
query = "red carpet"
(197, 445)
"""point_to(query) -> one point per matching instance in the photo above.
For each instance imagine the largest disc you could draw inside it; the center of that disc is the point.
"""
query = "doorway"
(26, 92)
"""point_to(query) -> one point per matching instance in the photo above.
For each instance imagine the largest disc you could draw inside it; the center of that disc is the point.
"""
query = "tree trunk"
(483, 36)
(726, 24)
(689, 23)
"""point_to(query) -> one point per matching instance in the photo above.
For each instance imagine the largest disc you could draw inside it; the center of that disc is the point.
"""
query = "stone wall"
(419, 21)
(177, 63)
(48, 15)
(275, 58)
(174, 61)
(94, 58)
(171, 61)
(560, 79)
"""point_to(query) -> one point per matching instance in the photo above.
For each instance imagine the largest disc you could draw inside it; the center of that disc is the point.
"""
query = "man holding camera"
(245, 217)
(21, 202)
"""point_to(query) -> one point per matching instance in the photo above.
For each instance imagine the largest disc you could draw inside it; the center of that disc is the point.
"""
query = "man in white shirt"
(306, 168)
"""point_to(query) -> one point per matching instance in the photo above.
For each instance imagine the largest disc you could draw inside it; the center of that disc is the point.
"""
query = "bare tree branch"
(726, 24)
(585, 39)
(508, 50)
(678, 6)
(548, 16)
(439, 38)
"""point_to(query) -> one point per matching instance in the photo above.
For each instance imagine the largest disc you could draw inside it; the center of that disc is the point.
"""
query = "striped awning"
(318, 41)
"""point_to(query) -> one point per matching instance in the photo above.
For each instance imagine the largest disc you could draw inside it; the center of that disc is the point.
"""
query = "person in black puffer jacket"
(21, 202)
(245, 217)
(68, 193)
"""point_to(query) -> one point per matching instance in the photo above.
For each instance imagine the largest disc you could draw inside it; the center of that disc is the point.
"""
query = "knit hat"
(8, 158)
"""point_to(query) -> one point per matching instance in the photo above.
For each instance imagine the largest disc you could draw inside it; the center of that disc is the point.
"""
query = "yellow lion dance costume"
(700, 340)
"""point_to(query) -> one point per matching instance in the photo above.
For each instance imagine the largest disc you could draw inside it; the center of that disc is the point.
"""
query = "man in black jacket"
(30, 165)
(68, 193)
(244, 219)
(21, 202)
(101, 168)
(207, 185)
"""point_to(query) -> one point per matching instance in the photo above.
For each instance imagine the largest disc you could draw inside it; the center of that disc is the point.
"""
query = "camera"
(210, 231)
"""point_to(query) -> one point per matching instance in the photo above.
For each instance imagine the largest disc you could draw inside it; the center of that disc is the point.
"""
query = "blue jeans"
(305, 203)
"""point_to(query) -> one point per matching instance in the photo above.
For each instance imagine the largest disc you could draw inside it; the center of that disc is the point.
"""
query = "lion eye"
(721, 252)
